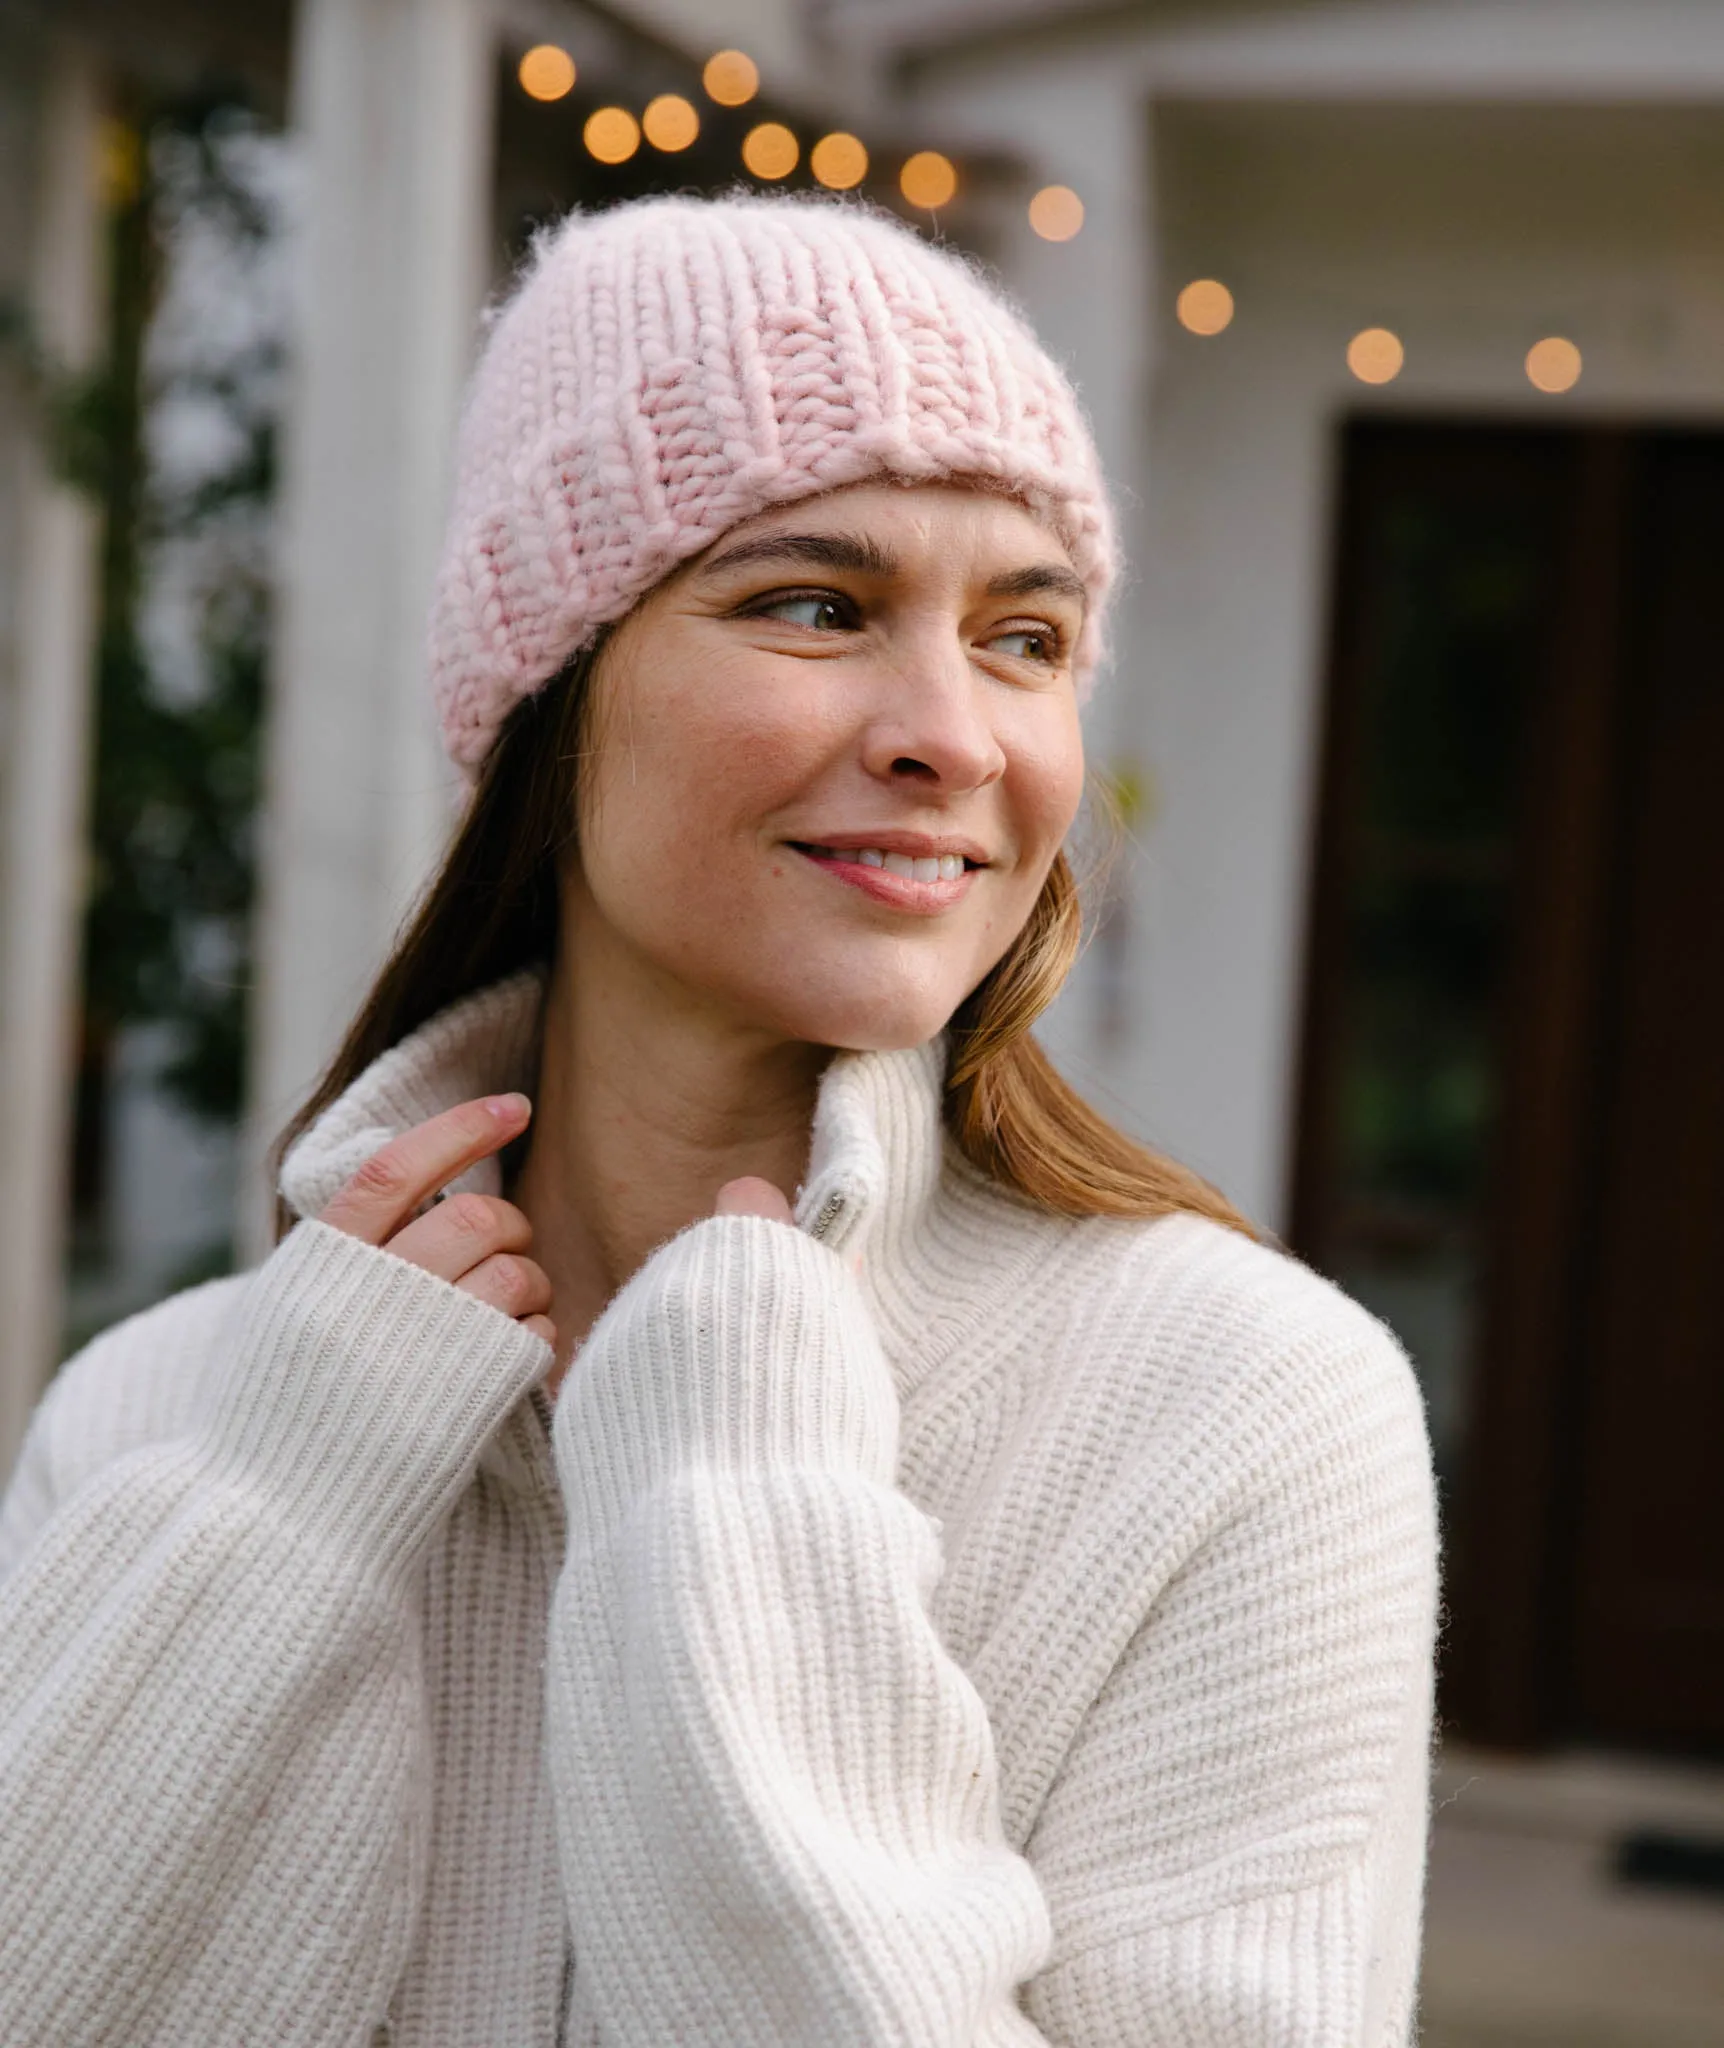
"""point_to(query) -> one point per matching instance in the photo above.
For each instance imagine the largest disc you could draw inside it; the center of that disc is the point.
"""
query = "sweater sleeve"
(1233, 1847)
(777, 1798)
(211, 1721)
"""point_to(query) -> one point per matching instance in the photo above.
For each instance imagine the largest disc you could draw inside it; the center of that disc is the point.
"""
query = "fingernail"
(508, 1109)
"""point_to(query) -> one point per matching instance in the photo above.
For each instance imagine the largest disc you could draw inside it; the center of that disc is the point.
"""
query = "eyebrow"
(1040, 579)
(852, 551)
(861, 556)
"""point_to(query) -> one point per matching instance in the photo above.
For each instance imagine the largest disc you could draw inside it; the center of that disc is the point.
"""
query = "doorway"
(1510, 1133)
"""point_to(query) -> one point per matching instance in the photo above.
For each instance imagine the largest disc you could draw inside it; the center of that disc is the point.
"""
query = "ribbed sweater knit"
(936, 1625)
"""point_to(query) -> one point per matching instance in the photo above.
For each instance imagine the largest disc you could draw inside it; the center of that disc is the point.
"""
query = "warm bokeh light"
(1056, 213)
(1205, 306)
(731, 78)
(928, 179)
(1375, 356)
(770, 151)
(670, 122)
(838, 161)
(546, 72)
(612, 134)
(1553, 364)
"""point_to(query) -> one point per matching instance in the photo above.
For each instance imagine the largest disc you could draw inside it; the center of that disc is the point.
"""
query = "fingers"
(511, 1283)
(391, 1185)
(477, 1242)
(752, 1196)
(461, 1233)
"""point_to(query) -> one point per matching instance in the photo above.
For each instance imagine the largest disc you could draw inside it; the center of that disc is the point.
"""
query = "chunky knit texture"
(936, 1626)
(668, 369)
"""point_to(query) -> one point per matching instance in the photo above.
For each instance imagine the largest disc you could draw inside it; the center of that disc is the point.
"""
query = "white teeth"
(941, 867)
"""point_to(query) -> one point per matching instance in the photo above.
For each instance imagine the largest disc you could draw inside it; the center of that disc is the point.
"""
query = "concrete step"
(1532, 1941)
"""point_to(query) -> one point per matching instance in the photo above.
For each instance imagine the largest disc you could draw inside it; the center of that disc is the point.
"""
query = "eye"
(820, 611)
(1028, 643)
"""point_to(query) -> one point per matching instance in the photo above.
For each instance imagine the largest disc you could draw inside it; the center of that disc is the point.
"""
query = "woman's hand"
(476, 1242)
(752, 1196)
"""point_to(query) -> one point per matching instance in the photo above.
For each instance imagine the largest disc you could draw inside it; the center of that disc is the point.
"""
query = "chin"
(872, 1020)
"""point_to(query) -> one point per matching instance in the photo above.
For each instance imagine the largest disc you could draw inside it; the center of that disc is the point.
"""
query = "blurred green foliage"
(175, 775)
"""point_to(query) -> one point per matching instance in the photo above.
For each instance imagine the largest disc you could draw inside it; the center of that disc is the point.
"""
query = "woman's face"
(833, 759)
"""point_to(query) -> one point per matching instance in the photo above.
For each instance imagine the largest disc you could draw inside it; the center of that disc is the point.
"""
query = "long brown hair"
(491, 909)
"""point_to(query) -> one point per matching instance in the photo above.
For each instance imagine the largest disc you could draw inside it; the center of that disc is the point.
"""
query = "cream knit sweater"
(938, 1624)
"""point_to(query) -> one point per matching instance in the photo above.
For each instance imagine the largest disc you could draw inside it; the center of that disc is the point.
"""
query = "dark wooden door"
(1511, 1127)
(1647, 1583)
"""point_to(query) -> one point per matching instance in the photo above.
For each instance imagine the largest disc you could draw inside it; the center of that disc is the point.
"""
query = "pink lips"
(903, 892)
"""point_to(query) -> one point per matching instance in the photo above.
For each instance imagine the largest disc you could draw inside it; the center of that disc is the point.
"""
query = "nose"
(930, 724)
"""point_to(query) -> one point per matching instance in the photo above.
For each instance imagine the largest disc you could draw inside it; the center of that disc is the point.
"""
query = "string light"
(1553, 364)
(1056, 213)
(1375, 356)
(770, 151)
(546, 72)
(928, 179)
(731, 78)
(612, 134)
(1205, 306)
(669, 122)
(838, 161)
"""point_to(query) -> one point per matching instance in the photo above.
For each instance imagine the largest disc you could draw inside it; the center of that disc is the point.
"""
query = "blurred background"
(1402, 326)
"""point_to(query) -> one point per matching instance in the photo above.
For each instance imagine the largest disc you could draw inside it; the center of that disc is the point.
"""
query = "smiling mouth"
(920, 884)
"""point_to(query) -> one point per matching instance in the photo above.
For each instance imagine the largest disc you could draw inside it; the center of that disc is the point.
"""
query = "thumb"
(752, 1196)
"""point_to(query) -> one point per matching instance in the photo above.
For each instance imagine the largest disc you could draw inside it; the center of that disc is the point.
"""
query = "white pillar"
(393, 112)
(1090, 300)
(45, 747)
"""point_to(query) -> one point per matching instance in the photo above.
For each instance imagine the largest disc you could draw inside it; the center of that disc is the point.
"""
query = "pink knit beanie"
(668, 369)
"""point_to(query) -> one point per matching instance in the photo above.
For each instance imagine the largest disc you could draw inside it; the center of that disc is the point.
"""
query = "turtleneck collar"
(876, 1149)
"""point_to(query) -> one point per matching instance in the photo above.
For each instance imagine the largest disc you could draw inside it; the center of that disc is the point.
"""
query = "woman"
(819, 1538)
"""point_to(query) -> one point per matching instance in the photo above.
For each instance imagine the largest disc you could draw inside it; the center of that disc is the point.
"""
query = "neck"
(647, 1103)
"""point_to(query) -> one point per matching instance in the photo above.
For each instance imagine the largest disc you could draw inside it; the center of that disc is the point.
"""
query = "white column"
(44, 751)
(1090, 300)
(393, 111)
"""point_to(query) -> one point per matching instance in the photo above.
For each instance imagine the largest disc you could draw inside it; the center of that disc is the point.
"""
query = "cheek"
(1045, 780)
(682, 785)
